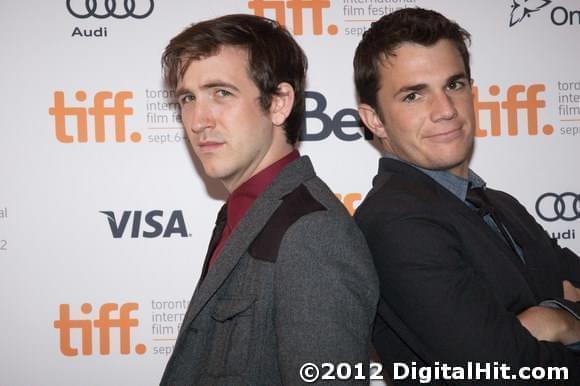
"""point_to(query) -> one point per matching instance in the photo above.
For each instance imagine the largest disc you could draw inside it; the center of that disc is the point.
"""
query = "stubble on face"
(229, 130)
(426, 107)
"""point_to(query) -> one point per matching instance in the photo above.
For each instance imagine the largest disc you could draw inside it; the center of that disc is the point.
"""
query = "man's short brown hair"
(407, 25)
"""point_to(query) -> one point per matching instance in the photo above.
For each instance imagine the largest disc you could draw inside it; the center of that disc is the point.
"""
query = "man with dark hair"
(465, 273)
(288, 278)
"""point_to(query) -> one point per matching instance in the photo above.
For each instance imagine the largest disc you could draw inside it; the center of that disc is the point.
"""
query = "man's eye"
(186, 99)
(223, 93)
(411, 97)
(455, 85)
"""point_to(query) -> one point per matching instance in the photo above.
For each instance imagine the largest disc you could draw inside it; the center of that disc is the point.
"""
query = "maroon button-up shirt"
(241, 199)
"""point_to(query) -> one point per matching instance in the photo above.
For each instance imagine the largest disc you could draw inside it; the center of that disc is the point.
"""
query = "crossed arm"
(570, 291)
(448, 304)
(552, 324)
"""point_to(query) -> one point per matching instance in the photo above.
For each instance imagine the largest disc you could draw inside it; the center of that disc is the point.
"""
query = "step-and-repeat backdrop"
(105, 217)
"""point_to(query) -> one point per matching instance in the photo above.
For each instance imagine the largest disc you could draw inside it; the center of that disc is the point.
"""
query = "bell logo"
(117, 112)
(175, 224)
(349, 200)
(518, 98)
(297, 7)
(123, 322)
(319, 125)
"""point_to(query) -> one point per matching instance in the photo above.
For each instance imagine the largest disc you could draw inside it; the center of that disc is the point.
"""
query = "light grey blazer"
(294, 283)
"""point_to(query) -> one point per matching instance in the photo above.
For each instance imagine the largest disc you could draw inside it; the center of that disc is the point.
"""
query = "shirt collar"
(242, 198)
(458, 186)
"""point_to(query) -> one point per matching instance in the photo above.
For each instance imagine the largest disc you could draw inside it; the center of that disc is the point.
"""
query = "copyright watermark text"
(344, 371)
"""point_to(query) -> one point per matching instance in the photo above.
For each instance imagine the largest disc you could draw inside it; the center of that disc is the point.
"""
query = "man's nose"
(443, 107)
(201, 117)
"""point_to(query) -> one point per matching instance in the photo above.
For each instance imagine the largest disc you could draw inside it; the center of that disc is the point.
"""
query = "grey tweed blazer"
(294, 283)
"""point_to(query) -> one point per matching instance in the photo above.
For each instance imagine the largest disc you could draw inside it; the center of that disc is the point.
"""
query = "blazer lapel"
(534, 257)
(484, 228)
(504, 250)
(246, 231)
(234, 248)
(220, 224)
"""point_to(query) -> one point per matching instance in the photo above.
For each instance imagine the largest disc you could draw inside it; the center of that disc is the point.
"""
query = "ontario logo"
(77, 334)
(524, 9)
(297, 10)
(107, 113)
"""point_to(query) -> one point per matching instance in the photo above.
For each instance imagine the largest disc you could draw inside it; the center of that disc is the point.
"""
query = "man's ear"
(282, 103)
(372, 120)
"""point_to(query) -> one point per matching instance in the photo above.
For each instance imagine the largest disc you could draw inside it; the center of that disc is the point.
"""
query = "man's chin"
(210, 169)
(215, 172)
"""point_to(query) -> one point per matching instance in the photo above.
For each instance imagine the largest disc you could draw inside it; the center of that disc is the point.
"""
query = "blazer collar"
(404, 177)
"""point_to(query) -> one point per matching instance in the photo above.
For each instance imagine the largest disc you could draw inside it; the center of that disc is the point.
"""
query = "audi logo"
(108, 8)
(552, 206)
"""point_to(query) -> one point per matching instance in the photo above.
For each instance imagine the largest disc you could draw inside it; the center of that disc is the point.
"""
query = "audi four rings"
(552, 206)
(107, 8)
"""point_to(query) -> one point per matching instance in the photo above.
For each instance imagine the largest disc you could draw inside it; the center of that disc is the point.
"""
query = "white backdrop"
(105, 218)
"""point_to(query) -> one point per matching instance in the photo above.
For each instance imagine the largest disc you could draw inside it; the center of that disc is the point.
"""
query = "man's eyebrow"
(211, 84)
(181, 91)
(412, 87)
(457, 76)
(422, 86)
(219, 84)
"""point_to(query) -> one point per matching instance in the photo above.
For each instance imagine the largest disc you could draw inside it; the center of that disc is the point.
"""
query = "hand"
(551, 324)
(570, 292)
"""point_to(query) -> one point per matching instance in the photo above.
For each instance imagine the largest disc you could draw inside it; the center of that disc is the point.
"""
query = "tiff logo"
(105, 323)
(116, 111)
(298, 8)
(518, 99)
(349, 200)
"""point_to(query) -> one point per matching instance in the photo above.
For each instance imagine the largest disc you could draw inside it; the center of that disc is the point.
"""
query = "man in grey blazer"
(288, 278)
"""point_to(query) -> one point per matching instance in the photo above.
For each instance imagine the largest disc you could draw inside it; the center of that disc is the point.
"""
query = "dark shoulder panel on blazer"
(294, 205)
